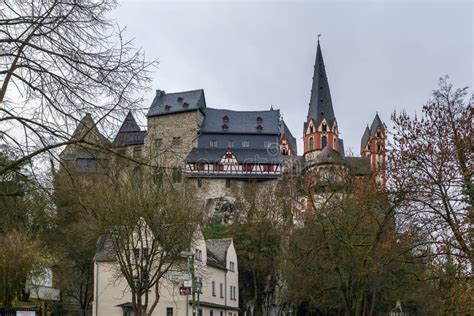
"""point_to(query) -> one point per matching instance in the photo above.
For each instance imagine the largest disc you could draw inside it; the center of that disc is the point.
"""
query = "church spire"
(320, 105)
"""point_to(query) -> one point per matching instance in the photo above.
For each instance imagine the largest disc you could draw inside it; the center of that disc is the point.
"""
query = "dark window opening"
(185, 105)
(199, 183)
(225, 127)
(177, 141)
(259, 120)
(311, 143)
(158, 176)
(218, 167)
(259, 128)
(225, 119)
(227, 183)
(169, 311)
(311, 130)
(167, 107)
(137, 152)
(247, 167)
(180, 99)
(324, 141)
(325, 128)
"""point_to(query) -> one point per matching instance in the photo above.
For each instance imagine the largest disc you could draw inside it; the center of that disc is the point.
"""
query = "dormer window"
(185, 105)
(167, 107)
(259, 120)
(225, 127)
(180, 99)
(325, 128)
(225, 119)
(259, 128)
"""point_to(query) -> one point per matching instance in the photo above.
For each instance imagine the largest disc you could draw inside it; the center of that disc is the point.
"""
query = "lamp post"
(190, 256)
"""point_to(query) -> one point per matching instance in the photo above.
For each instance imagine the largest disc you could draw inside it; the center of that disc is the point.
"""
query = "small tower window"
(311, 143)
(324, 141)
(379, 134)
(311, 131)
(259, 120)
(325, 128)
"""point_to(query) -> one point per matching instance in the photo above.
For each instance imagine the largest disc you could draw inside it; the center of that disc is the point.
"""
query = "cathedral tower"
(320, 128)
(373, 147)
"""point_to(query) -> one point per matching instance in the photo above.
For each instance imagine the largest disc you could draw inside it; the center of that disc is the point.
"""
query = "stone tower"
(373, 147)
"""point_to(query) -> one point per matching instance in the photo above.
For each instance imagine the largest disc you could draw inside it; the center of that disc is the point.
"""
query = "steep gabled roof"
(376, 123)
(292, 140)
(87, 129)
(217, 251)
(365, 138)
(129, 133)
(167, 103)
(320, 104)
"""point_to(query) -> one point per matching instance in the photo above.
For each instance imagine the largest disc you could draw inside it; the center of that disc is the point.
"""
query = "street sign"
(184, 290)
(177, 276)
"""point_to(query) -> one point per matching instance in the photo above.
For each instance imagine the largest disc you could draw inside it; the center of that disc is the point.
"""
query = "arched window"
(325, 128)
(324, 142)
(311, 130)
(311, 143)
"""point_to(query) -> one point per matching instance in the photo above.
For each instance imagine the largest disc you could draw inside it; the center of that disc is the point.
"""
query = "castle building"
(221, 150)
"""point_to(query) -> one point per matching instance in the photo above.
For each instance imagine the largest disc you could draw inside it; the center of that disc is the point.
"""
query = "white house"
(215, 262)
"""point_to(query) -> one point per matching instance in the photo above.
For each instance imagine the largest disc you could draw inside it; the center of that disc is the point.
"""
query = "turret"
(373, 146)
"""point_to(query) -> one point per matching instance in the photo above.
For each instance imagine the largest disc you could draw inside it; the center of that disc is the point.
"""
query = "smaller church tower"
(320, 128)
(373, 146)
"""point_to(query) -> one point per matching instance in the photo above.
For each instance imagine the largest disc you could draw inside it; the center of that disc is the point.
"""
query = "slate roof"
(320, 104)
(129, 133)
(365, 138)
(104, 250)
(240, 122)
(167, 103)
(217, 251)
(377, 122)
(211, 155)
(285, 130)
(326, 156)
(359, 166)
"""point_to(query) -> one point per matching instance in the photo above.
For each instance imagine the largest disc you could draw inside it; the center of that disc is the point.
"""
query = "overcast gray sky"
(247, 55)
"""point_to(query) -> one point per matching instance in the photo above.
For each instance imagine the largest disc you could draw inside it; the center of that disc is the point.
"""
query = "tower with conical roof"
(320, 128)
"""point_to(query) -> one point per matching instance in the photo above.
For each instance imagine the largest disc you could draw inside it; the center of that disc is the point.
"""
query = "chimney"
(160, 93)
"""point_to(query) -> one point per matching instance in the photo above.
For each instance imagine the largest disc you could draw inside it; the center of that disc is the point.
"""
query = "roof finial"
(319, 35)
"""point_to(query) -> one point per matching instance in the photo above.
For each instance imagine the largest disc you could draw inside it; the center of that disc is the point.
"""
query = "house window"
(311, 143)
(324, 141)
(218, 167)
(200, 312)
(227, 183)
(167, 107)
(198, 255)
(158, 142)
(230, 144)
(245, 144)
(221, 288)
(137, 152)
(169, 311)
(177, 175)
(199, 183)
(177, 141)
(213, 288)
(231, 266)
(211, 313)
(213, 143)
(222, 313)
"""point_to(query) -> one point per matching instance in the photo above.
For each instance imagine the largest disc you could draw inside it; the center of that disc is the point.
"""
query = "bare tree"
(430, 169)
(147, 229)
(60, 59)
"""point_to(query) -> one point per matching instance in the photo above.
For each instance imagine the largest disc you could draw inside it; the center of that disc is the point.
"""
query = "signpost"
(178, 276)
